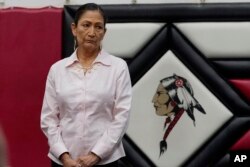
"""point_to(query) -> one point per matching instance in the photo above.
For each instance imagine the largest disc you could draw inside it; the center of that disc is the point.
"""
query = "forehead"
(92, 15)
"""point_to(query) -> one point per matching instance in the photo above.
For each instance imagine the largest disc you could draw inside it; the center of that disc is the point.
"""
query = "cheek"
(163, 99)
(80, 32)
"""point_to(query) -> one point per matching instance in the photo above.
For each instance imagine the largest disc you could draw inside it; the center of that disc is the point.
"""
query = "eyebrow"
(87, 21)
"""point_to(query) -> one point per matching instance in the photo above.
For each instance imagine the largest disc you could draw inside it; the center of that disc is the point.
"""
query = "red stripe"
(172, 124)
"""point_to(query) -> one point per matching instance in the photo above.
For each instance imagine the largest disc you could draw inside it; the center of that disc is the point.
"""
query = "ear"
(73, 29)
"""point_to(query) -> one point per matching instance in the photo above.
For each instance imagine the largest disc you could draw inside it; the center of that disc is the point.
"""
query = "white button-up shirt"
(87, 112)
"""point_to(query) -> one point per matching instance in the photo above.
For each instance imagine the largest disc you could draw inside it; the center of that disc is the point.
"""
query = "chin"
(159, 113)
(90, 46)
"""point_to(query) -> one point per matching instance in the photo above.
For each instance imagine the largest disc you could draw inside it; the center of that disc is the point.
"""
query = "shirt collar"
(103, 58)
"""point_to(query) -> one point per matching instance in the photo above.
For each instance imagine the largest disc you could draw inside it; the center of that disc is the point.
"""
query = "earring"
(75, 44)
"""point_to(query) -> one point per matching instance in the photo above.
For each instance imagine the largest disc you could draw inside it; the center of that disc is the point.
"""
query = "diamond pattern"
(212, 85)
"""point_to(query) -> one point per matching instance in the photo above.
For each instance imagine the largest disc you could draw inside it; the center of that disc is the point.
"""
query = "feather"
(163, 147)
(199, 107)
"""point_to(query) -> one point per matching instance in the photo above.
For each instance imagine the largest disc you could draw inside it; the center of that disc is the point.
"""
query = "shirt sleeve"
(114, 133)
(50, 123)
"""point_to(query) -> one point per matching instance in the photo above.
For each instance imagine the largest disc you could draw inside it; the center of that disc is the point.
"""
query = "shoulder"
(116, 61)
(60, 64)
(57, 68)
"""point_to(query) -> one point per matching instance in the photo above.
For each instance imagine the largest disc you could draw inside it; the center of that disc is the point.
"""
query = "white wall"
(60, 3)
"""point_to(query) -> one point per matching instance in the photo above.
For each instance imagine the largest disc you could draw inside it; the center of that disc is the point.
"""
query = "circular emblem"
(179, 82)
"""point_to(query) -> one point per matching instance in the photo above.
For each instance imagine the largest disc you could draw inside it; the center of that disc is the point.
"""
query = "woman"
(174, 95)
(87, 99)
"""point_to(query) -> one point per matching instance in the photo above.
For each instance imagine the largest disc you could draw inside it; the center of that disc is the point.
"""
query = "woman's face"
(161, 102)
(89, 30)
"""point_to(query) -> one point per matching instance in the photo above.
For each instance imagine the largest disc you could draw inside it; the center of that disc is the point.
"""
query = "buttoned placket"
(83, 105)
(82, 108)
(85, 76)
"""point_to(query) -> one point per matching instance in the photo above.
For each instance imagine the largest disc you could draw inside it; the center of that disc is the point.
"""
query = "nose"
(154, 98)
(91, 31)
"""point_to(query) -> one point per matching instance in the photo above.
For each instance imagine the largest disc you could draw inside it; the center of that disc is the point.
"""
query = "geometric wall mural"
(188, 135)
(187, 108)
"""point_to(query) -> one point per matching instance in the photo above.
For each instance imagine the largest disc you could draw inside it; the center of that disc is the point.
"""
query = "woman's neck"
(86, 58)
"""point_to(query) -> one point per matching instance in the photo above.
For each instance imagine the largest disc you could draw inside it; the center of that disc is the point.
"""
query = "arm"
(114, 133)
(50, 123)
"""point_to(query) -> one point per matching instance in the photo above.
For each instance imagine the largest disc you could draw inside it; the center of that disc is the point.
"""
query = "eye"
(158, 93)
(85, 25)
(99, 26)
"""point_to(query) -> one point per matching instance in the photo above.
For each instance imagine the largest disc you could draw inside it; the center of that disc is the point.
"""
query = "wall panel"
(197, 36)
(30, 41)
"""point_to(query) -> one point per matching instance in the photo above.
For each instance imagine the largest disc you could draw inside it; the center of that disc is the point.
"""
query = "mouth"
(90, 41)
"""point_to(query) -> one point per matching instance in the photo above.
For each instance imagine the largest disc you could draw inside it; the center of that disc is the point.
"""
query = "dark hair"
(86, 7)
